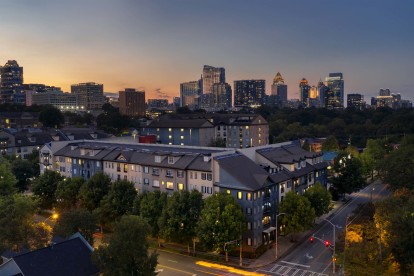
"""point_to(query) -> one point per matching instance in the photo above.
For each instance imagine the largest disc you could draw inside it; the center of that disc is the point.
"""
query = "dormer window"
(171, 160)
(157, 159)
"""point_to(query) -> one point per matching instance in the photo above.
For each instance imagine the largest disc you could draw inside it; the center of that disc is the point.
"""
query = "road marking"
(310, 257)
(176, 269)
(206, 272)
(172, 261)
(307, 266)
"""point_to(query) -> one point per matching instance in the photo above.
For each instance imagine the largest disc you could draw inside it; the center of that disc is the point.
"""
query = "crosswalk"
(285, 270)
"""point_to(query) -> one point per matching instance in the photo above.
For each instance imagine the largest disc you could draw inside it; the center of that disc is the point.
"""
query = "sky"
(154, 45)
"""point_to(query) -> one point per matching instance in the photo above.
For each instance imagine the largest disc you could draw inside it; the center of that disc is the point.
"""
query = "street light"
(276, 233)
(333, 258)
(372, 189)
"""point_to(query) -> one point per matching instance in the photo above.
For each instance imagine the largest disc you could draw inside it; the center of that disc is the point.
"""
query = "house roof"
(286, 154)
(172, 120)
(252, 177)
(71, 257)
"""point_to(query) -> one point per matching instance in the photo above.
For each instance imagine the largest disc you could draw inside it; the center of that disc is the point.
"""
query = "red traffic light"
(311, 239)
(327, 243)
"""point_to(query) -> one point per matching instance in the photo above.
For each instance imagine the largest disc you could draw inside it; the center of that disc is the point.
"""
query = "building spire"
(278, 78)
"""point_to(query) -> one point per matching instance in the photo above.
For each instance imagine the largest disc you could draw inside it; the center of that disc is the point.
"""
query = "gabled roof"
(246, 174)
(288, 154)
(68, 258)
(174, 121)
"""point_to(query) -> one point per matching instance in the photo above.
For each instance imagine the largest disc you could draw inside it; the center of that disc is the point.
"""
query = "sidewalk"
(286, 246)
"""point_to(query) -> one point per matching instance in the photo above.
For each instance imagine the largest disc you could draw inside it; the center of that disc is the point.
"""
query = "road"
(315, 258)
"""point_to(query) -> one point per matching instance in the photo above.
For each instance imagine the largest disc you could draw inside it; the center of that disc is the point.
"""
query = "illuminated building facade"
(132, 102)
(279, 90)
(190, 94)
(249, 93)
(335, 96)
(355, 101)
(221, 93)
(304, 92)
(11, 83)
(211, 75)
(90, 95)
(63, 101)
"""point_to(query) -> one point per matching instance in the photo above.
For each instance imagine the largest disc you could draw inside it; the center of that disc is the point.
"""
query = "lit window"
(239, 195)
(249, 196)
(169, 136)
(182, 137)
(228, 192)
(169, 129)
(182, 130)
(156, 183)
(170, 185)
(247, 127)
(180, 186)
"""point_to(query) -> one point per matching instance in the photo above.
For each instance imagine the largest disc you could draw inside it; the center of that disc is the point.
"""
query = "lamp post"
(276, 233)
(372, 189)
(333, 258)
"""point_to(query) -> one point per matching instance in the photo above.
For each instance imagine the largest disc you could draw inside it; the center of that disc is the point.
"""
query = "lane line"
(307, 266)
(176, 269)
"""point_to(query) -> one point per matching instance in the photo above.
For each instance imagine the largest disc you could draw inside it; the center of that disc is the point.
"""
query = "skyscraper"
(279, 89)
(211, 75)
(132, 102)
(221, 93)
(304, 92)
(249, 93)
(335, 82)
(11, 83)
(322, 92)
(190, 94)
(356, 101)
(90, 95)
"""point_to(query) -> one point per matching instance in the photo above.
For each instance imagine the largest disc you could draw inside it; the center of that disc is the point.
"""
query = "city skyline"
(154, 45)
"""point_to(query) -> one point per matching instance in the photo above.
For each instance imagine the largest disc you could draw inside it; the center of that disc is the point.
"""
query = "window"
(146, 169)
(74, 161)
(209, 176)
(282, 188)
(249, 241)
(170, 185)
(203, 189)
(146, 181)
(156, 183)
(118, 167)
(125, 177)
(157, 159)
(132, 167)
(248, 211)
(125, 168)
(170, 159)
(249, 196)
(228, 192)
(239, 195)
(155, 171)
(119, 177)
(182, 130)
(180, 186)
(249, 226)
(169, 129)
(203, 176)
(195, 175)
(180, 174)
(98, 164)
(169, 173)
(191, 175)
(169, 136)
(69, 160)
(74, 171)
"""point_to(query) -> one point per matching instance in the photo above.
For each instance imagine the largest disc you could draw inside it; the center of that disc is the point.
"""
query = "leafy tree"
(117, 202)
(45, 188)
(348, 176)
(150, 207)
(127, 250)
(218, 142)
(221, 218)
(319, 198)
(7, 179)
(16, 221)
(372, 155)
(299, 214)
(397, 169)
(73, 221)
(40, 235)
(51, 117)
(23, 170)
(330, 144)
(67, 192)
(178, 219)
(94, 190)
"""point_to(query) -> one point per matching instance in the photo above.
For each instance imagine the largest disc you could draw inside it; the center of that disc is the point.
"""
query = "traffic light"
(327, 243)
(311, 239)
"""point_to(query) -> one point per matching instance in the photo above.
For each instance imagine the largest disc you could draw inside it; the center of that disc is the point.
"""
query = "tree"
(45, 188)
(397, 169)
(67, 193)
(16, 221)
(218, 142)
(319, 198)
(127, 250)
(177, 222)
(7, 179)
(348, 176)
(220, 222)
(330, 144)
(23, 170)
(117, 202)
(51, 117)
(372, 155)
(94, 190)
(73, 221)
(299, 214)
(150, 207)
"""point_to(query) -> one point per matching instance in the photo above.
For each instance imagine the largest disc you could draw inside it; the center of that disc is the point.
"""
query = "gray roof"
(172, 120)
(286, 154)
(280, 176)
(251, 177)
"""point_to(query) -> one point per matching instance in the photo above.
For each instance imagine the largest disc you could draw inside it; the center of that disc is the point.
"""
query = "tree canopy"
(94, 190)
(7, 179)
(51, 117)
(45, 188)
(319, 198)
(348, 177)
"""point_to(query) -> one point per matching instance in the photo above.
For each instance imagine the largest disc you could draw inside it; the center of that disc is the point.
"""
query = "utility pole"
(241, 245)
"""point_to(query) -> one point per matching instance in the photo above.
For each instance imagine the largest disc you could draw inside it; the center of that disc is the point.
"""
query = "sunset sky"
(157, 44)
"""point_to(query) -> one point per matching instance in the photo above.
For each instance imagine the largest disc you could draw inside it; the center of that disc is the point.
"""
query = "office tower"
(385, 92)
(90, 95)
(211, 75)
(221, 93)
(322, 92)
(313, 100)
(157, 104)
(355, 101)
(11, 83)
(132, 102)
(249, 93)
(304, 92)
(190, 94)
(335, 82)
(279, 90)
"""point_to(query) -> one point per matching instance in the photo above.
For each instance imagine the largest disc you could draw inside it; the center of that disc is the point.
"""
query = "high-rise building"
(221, 93)
(90, 95)
(132, 102)
(211, 75)
(335, 82)
(157, 104)
(385, 92)
(304, 92)
(190, 94)
(11, 83)
(355, 101)
(249, 93)
(279, 90)
(322, 92)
